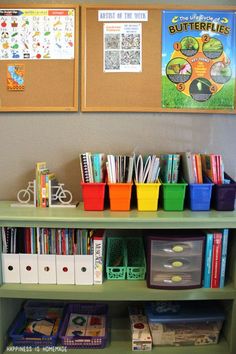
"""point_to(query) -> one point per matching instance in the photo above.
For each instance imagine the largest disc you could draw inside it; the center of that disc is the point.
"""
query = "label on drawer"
(178, 248)
(177, 264)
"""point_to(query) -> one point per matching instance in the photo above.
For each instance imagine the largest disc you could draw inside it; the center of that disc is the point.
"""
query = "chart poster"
(36, 34)
(122, 47)
(15, 77)
(198, 59)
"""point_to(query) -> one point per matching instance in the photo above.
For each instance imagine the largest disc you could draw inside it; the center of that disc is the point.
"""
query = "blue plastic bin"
(199, 195)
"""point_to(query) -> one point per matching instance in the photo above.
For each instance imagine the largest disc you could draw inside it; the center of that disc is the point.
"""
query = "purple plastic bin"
(223, 195)
(84, 342)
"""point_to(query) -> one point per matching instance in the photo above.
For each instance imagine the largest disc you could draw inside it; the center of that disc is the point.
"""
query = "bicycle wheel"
(23, 196)
(65, 197)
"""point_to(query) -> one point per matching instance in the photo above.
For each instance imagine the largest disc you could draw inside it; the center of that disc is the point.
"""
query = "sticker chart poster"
(122, 45)
(198, 59)
(36, 34)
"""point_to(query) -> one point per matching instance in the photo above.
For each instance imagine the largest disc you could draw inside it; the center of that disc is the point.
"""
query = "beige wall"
(58, 138)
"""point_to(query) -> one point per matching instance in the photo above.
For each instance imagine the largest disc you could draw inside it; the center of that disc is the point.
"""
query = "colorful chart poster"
(36, 34)
(198, 59)
(122, 47)
(15, 77)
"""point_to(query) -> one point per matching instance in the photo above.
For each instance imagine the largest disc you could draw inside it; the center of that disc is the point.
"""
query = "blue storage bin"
(35, 311)
(199, 195)
(183, 323)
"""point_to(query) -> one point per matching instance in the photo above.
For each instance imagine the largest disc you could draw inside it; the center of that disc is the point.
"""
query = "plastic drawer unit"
(175, 261)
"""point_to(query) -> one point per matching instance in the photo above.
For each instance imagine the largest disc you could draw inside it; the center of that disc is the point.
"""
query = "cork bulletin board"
(39, 57)
(108, 84)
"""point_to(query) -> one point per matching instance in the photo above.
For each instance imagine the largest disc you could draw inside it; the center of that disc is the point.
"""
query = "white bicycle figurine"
(24, 195)
(58, 193)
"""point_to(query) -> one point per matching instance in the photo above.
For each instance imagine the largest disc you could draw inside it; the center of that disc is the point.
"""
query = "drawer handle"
(177, 248)
(176, 278)
(177, 264)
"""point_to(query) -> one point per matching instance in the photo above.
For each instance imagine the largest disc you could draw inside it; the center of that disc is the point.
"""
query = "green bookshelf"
(118, 293)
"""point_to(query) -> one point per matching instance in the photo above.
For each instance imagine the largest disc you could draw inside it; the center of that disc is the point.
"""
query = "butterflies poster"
(198, 59)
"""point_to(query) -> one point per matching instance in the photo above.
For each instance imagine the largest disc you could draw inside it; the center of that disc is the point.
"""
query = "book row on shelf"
(97, 167)
(166, 259)
(87, 325)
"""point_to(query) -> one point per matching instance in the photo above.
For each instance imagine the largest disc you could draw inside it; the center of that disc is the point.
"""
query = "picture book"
(175, 168)
(166, 167)
(187, 167)
(98, 255)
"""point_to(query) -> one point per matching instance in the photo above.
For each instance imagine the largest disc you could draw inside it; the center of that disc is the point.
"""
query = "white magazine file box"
(65, 266)
(10, 268)
(47, 269)
(84, 269)
(29, 268)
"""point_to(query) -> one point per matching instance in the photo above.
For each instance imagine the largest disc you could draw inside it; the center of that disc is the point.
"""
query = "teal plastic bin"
(136, 262)
(116, 261)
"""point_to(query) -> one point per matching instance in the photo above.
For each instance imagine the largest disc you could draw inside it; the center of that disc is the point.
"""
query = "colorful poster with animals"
(198, 59)
(15, 77)
(36, 34)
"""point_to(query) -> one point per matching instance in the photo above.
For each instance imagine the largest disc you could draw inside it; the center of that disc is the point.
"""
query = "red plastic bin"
(93, 196)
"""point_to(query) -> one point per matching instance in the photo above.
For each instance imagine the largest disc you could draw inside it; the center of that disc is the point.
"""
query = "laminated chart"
(198, 65)
(36, 34)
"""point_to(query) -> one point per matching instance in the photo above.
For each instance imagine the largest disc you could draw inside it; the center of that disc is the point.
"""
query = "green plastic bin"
(136, 262)
(173, 195)
(116, 261)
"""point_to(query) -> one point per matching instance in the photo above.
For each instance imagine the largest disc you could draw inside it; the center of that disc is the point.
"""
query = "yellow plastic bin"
(147, 196)
(120, 196)
(173, 195)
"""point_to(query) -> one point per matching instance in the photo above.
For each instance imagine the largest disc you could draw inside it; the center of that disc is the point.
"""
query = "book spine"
(216, 260)
(98, 259)
(166, 168)
(43, 201)
(208, 261)
(96, 166)
(194, 168)
(198, 164)
(214, 169)
(175, 168)
(224, 257)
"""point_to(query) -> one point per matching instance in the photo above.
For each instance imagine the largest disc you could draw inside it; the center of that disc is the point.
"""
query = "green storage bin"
(116, 261)
(136, 262)
(173, 195)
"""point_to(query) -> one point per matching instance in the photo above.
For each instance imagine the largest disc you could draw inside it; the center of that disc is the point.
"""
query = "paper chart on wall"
(122, 45)
(198, 66)
(36, 34)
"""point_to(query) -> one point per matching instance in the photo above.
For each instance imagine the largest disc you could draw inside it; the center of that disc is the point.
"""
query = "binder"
(84, 269)
(29, 268)
(10, 268)
(47, 269)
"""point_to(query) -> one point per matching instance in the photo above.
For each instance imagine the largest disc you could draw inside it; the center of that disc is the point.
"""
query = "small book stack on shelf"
(215, 258)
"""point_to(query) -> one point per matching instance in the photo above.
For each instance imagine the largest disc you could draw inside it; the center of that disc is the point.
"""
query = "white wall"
(58, 138)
